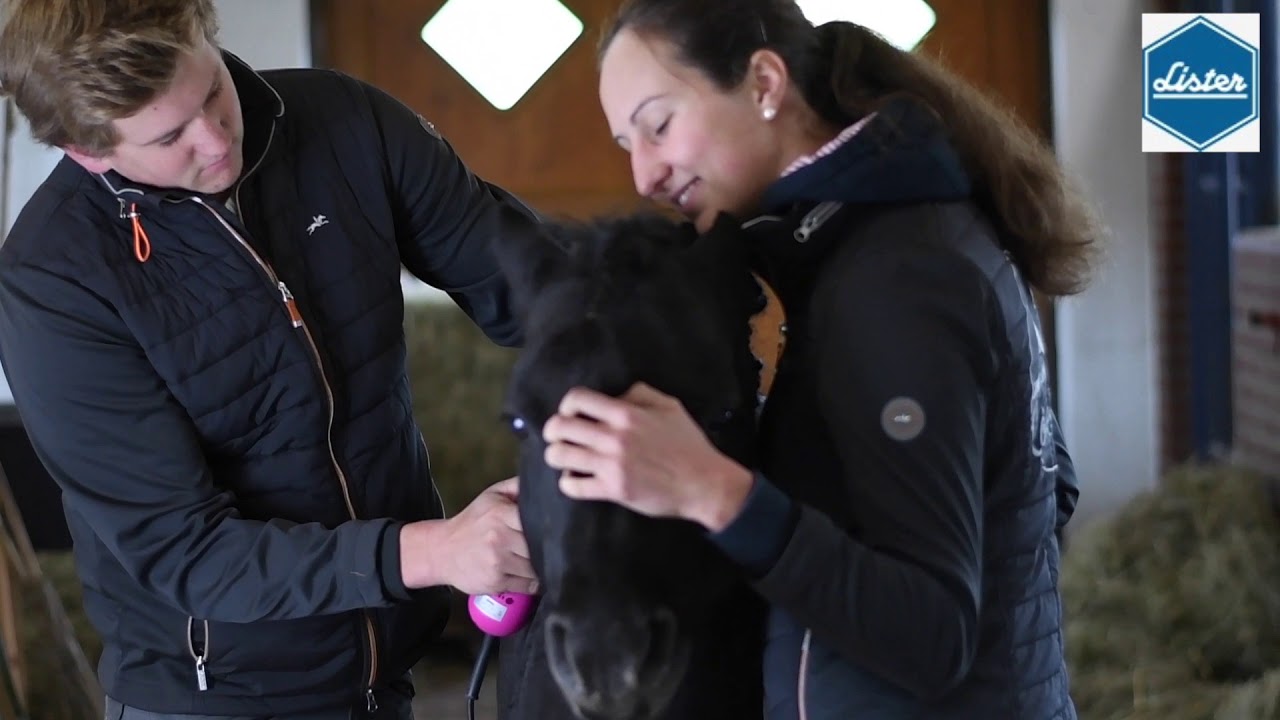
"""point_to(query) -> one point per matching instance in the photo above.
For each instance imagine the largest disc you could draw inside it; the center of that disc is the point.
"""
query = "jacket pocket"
(833, 688)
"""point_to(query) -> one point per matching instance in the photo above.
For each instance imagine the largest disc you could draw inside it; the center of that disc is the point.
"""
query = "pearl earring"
(768, 113)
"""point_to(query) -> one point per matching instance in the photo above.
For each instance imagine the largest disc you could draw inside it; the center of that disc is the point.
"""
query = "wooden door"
(554, 149)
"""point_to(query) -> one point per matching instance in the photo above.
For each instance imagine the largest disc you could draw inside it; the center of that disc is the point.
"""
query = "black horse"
(640, 618)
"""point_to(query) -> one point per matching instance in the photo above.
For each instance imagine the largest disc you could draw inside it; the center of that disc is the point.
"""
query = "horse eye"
(515, 423)
(518, 426)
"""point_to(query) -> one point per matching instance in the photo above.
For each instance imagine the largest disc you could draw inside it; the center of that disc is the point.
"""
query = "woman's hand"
(644, 452)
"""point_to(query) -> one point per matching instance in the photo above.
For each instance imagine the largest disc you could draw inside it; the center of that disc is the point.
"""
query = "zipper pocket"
(199, 652)
(435, 487)
(801, 701)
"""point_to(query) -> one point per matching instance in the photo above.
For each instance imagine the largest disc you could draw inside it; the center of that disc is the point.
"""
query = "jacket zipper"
(801, 701)
(202, 680)
(815, 219)
(295, 318)
(812, 220)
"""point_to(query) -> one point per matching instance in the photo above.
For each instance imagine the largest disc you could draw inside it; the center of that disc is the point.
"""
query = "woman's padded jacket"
(904, 525)
(235, 480)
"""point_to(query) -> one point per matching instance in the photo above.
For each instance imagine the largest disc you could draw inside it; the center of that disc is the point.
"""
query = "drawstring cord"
(141, 243)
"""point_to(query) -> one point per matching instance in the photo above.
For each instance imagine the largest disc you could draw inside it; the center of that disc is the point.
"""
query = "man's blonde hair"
(74, 66)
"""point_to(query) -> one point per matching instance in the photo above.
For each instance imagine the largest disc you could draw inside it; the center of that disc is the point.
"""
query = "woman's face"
(692, 145)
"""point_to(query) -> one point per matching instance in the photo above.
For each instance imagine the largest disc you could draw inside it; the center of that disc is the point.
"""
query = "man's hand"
(481, 550)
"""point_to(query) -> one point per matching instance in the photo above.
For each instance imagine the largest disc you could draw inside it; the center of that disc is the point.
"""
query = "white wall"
(270, 34)
(6, 396)
(1107, 337)
(265, 34)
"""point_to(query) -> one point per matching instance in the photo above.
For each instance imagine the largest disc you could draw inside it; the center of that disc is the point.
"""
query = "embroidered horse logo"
(316, 223)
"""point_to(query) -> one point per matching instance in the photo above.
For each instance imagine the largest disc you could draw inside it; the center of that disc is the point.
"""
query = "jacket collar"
(260, 105)
(902, 155)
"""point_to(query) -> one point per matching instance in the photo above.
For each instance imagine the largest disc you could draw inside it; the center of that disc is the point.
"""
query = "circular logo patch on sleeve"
(902, 419)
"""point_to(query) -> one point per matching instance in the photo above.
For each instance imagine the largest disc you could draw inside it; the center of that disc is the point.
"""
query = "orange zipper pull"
(289, 304)
(141, 243)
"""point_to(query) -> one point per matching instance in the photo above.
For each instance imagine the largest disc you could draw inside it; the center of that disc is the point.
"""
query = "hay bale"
(1173, 605)
(1258, 700)
(458, 378)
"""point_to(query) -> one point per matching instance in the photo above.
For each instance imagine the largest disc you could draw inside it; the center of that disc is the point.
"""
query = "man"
(201, 320)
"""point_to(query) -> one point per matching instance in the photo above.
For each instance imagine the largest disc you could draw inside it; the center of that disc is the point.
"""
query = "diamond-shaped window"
(502, 47)
(903, 23)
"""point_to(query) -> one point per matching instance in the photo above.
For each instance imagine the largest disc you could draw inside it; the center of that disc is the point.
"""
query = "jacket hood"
(902, 155)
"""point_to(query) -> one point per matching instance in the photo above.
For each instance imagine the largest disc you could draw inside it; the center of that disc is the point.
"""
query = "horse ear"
(528, 254)
(721, 257)
(722, 248)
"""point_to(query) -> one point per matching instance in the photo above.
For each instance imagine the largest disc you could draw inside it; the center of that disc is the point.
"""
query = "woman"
(903, 523)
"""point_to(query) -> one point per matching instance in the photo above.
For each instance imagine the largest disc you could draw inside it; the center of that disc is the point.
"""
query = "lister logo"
(1200, 78)
(1182, 82)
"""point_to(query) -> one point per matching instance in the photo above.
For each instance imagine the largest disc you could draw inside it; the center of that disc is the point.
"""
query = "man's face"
(190, 137)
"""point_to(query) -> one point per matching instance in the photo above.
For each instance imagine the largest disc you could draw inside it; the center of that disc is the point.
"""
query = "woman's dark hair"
(845, 71)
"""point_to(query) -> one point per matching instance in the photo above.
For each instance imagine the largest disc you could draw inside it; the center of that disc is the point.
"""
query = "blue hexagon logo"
(1201, 83)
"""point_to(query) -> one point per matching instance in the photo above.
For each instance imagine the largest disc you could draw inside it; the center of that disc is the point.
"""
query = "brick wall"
(1255, 356)
(1174, 351)
(1168, 237)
